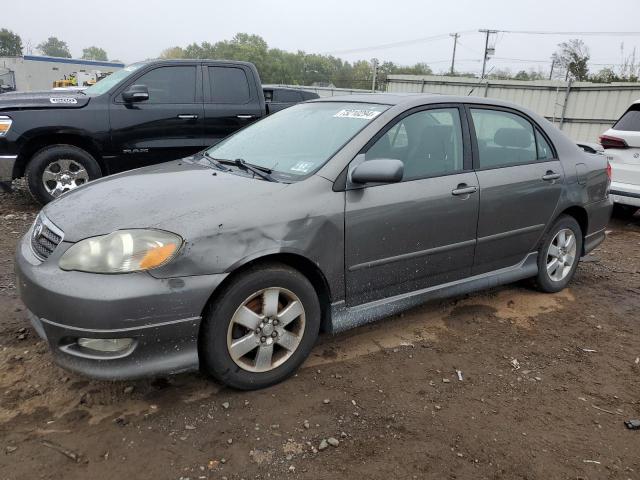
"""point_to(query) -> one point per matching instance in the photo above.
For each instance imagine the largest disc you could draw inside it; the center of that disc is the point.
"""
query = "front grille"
(45, 237)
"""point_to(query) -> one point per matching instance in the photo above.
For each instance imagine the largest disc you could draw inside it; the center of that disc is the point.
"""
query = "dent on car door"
(520, 186)
(421, 232)
(165, 127)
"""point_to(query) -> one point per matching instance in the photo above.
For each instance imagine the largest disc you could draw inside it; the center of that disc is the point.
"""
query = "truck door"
(231, 100)
(165, 127)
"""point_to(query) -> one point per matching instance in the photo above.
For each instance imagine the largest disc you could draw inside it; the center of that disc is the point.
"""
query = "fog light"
(105, 344)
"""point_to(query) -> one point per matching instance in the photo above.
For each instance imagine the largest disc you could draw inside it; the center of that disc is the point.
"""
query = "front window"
(110, 81)
(297, 141)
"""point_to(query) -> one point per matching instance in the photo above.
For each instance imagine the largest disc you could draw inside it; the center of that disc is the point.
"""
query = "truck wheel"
(57, 169)
(261, 328)
(559, 255)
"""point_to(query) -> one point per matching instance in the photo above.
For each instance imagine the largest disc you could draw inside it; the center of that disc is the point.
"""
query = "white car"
(621, 145)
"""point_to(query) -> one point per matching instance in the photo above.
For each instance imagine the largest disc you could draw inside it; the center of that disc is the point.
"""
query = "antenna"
(480, 81)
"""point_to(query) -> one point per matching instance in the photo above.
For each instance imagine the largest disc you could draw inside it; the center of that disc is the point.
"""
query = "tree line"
(569, 61)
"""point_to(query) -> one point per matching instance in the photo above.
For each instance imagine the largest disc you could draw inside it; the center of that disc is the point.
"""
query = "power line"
(394, 44)
(536, 32)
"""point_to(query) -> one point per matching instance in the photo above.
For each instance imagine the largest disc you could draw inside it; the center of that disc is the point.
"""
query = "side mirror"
(378, 171)
(136, 93)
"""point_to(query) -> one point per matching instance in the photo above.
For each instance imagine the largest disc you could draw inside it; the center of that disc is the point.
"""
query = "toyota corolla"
(322, 217)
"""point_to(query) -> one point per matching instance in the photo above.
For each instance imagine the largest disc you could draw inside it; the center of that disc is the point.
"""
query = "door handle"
(187, 116)
(550, 175)
(245, 117)
(464, 189)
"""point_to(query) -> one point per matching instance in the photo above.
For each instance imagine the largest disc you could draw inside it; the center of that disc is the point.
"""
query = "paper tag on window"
(303, 167)
(353, 113)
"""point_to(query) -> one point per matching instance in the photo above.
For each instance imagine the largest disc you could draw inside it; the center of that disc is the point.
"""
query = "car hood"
(47, 99)
(164, 196)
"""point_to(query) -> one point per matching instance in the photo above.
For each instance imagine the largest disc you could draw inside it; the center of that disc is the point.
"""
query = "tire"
(73, 166)
(247, 298)
(550, 279)
(624, 211)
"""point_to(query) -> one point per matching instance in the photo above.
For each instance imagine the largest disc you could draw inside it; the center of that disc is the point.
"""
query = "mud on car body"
(321, 217)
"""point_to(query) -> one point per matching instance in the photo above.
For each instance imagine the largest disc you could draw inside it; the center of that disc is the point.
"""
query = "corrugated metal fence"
(583, 110)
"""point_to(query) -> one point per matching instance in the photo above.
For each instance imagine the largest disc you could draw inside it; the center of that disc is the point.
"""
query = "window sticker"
(302, 167)
(353, 113)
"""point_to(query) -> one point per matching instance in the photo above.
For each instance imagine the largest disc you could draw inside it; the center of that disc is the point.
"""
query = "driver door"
(420, 232)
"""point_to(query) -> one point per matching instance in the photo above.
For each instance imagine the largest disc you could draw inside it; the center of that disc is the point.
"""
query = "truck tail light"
(607, 141)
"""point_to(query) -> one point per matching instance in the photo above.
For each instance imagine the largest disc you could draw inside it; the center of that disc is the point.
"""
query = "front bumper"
(162, 316)
(7, 162)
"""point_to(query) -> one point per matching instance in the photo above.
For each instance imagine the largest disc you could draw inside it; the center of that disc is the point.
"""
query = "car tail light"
(607, 141)
(608, 177)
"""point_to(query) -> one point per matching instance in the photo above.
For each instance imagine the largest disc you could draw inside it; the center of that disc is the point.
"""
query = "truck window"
(228, 85)
(286, 96)
(170, 84)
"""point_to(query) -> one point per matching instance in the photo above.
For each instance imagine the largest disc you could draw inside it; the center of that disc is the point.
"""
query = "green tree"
(10, 43)
(54, 47)
(94, 53)
(573, 56)
(173, 52)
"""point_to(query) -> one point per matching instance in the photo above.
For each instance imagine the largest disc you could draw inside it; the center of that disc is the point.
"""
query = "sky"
(136, 30)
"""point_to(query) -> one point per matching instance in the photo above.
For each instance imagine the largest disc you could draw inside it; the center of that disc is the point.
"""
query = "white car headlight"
(122, 251)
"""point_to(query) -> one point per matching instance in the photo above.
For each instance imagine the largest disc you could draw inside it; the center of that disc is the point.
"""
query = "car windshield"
(109, 81)
(297, 141)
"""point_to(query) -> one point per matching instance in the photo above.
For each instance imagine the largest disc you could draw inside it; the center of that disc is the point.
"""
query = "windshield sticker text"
(303, 167)
(352, 113)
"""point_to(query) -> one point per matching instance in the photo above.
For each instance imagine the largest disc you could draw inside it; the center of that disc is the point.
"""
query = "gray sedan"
(322, 217)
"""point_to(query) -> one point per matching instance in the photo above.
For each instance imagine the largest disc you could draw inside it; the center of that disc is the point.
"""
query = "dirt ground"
(547, 382)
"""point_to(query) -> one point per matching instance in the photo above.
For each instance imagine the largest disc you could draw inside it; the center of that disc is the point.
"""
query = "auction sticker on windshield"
(303, 167)
(353, 113)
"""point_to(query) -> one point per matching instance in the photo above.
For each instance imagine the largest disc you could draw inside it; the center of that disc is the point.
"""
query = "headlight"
(122, 251)
(5, 125)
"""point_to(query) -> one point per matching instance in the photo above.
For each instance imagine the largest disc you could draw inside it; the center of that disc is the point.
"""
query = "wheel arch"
(581, 216)
(296, 261)
(44, 139)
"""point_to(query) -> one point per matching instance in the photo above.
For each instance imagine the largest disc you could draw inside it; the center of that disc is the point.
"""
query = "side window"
(504, 139)
(228, 85)
(286, 96)
(544, 150)
(170, 84)
(429, 143)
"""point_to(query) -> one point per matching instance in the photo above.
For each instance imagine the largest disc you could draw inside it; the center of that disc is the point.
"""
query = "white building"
(33, 72)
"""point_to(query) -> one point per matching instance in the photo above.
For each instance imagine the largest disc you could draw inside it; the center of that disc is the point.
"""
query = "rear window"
(229, 85)
(286, 96)
(630, 121)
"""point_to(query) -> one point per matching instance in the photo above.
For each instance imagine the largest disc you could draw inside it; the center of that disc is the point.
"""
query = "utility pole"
(486, 49)
(455, 44)
(553, 64)
(374, 65)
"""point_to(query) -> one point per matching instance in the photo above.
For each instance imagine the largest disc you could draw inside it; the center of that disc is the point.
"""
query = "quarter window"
(170, 84)
(504, 138)
(228, 85)
(544, 150)
(429, 143)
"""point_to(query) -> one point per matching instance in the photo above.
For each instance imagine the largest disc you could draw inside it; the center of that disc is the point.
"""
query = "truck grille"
(45, 237)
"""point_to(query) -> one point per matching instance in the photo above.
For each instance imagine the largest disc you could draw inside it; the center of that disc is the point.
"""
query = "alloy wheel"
(561, 255)
(63, 175)
(266, 329)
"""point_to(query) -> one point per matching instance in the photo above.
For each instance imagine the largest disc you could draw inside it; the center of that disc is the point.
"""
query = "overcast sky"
(134, 30)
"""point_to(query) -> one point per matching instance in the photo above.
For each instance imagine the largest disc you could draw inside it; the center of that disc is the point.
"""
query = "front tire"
(559, 254)
(260, 328)
(57, 169)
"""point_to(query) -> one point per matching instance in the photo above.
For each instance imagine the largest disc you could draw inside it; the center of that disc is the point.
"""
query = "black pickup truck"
(148, 112)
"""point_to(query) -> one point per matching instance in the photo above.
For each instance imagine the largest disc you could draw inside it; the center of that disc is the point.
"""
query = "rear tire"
(559, 254)
(57, 169)
(247, 326)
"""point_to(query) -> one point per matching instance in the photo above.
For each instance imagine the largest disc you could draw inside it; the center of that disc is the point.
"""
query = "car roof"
(409, 100)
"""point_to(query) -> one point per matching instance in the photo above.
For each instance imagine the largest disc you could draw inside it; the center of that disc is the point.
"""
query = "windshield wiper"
(262, 172)
(215, 162)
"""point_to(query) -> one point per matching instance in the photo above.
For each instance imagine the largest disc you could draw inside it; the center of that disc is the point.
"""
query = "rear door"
(420, 232)
(520, 180)
(167, 126)
(231, 100)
